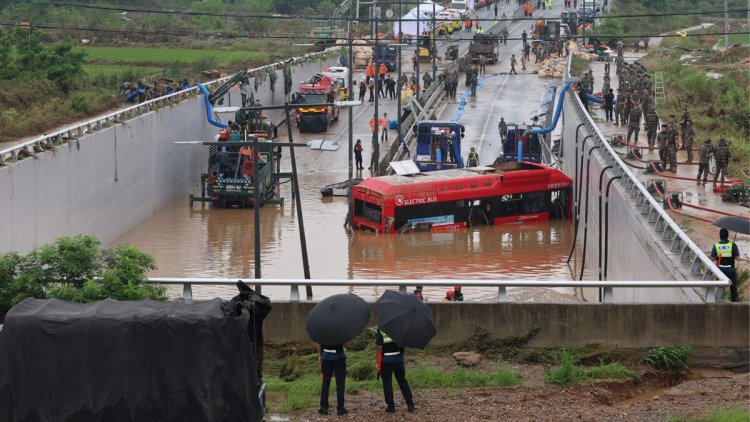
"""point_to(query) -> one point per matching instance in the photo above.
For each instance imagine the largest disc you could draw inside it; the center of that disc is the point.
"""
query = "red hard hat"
(449, 293)
(458, 288)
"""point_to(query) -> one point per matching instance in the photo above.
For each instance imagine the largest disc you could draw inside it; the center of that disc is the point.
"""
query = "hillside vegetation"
(658, 21)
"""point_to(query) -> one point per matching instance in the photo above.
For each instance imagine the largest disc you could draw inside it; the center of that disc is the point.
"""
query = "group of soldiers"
(451, 83)
(635, 99)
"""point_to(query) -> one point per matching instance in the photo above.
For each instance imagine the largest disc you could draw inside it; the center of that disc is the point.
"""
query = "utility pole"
(398, 77)
(726, 26)
(433, 43)
(376, 93)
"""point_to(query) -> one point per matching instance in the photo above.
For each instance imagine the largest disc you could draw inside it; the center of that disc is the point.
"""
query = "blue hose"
(209, 108)
(558, 109)
(519, 157)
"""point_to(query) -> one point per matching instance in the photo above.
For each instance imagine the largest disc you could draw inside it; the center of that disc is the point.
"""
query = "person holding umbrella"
(331, 323)
(391, 362)
(403, 321)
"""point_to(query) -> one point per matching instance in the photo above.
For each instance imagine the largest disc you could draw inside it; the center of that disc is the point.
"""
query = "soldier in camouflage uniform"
(704, 156)
(688, 136)
(672, 150)
(722, 160)
(634, 121)
(626, 106)
(683, 124)
(619, 102)
(647, 102)
(663, 139)
(651, 125)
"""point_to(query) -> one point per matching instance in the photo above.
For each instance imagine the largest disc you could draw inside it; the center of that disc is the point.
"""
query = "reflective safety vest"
(724, 258)
(390, 348)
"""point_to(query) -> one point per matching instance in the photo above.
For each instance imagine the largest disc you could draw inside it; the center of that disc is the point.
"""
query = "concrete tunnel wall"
(635, 253)
(716, 329)
(114, 178)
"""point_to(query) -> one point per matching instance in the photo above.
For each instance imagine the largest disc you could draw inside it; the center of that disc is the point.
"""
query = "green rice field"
(112, 69)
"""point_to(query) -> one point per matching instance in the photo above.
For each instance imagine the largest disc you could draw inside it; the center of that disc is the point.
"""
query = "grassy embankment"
(712, 86)
(293, 377)
(31, 106)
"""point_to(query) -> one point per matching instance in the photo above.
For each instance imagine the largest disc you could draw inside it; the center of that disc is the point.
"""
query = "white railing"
(689, 253)
(500, 285)
(49, 141)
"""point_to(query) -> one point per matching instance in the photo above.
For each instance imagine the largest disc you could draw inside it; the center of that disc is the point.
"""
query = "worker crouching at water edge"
(390, 362)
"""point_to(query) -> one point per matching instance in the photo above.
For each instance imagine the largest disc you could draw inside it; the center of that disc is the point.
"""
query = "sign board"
(405, 168)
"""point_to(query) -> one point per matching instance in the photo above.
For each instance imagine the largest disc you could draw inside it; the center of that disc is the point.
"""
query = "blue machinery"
(548, 129)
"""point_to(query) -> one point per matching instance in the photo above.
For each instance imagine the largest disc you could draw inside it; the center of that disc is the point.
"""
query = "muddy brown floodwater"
(206, 242)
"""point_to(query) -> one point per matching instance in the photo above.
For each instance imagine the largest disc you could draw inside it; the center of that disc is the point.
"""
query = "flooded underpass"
(201, 241)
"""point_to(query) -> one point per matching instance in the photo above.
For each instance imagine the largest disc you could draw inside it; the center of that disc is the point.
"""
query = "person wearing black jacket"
(609, 101)
(332, 360)
(390, 362)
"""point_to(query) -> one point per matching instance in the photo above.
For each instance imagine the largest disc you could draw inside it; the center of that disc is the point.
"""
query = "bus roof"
(511, 177)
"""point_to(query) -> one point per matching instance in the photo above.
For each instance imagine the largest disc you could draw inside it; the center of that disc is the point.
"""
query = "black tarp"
(132, 361)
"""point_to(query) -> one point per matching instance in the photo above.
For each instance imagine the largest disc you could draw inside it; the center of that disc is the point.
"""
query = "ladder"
(659, 92)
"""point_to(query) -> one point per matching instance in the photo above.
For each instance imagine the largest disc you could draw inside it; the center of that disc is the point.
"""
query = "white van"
(463, 6)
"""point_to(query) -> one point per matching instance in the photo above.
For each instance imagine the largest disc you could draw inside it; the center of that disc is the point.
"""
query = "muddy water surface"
(206, 242)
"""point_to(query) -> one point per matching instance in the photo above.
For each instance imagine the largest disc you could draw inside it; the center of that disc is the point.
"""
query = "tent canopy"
(409, 25)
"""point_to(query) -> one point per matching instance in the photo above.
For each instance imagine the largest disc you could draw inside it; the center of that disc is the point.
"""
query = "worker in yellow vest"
(725, 252)
(390, 362)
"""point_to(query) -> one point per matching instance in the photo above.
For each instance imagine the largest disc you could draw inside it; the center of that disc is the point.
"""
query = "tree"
(326, 8)
(8, 68)
(77, 269)
(62, 64)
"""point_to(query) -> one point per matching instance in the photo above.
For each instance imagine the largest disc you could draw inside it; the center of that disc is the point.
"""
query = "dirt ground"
(653, 397)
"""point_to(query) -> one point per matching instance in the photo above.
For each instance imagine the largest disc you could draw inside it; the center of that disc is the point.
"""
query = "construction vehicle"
(317, 90)
(426, 47)
(570, 19)
(386, 54)
(484, 44)
(546, 30)
(431, 155)
(530, 144)
(326, 32)
(229, 180)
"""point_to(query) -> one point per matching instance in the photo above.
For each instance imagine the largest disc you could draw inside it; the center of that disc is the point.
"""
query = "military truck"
(484, 44)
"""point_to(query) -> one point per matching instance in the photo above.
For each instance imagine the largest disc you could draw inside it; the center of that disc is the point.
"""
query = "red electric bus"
(447, 199)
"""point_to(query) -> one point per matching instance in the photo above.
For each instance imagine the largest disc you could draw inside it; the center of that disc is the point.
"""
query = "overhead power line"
(226, 14)
(304, 38)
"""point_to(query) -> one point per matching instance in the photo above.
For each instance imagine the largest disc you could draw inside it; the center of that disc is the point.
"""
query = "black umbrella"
(735, 224)
(337, 319)
(405, 319)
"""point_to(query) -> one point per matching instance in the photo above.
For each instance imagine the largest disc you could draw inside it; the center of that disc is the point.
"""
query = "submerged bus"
(448, 199)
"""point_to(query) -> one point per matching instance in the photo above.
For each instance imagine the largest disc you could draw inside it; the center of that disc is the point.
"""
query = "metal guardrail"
(679, 242)
(57, 138)
(501, 285)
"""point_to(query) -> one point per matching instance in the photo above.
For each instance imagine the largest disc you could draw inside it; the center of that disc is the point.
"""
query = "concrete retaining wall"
(114, 178)
(636, 252)
(717, 327)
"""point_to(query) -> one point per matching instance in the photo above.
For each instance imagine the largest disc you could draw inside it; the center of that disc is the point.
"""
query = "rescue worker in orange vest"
(369, 72)
(382, 69)
(467, 24)
(726, 252)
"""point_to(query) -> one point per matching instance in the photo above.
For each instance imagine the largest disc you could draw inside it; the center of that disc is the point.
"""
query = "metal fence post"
(294, 293)
(187, 291)
(502, 295)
